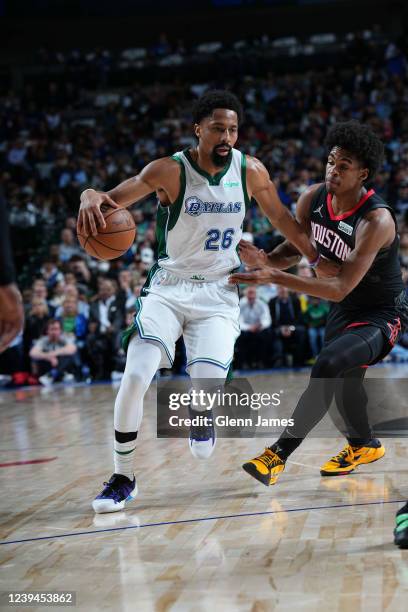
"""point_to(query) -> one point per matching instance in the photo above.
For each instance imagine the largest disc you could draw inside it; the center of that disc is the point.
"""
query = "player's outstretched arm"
(285, 255)
(263, 190)
(128, 192)
(297, 231)
(374, 233)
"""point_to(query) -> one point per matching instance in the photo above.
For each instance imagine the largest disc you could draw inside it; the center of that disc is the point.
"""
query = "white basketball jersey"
(199, 233)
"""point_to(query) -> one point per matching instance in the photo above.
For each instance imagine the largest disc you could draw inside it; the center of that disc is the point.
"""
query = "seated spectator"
(83, 305)
(54, 356)
(39, 291)
(252, 345)
(73, 322)
(146, 253)
(51, 274)
(72, 292)
(68, 246)
(27, 295)
(79, 269)
(125, 293)
(303, 269)
(70, 279)
(315, 318)
(288, 329)
(106, 308)
(98, 352)
(106, 319)
(129, 289)
(36, 320)
(58, 296)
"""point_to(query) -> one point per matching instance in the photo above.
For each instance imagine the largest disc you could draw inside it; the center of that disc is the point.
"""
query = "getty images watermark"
(263, 406)
(235, 409)
(205, 401)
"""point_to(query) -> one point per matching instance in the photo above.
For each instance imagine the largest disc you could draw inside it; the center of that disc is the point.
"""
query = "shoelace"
(343, 454)
(269, 461)
(111, 491)
(201, 433)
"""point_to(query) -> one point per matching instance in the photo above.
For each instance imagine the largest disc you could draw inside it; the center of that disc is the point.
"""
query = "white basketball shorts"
(206, 314)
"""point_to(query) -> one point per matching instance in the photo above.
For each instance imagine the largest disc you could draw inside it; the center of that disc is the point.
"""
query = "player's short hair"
(360, 141)
(216, 98)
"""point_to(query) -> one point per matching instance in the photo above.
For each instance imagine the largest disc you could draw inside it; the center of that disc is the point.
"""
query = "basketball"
(115, 239)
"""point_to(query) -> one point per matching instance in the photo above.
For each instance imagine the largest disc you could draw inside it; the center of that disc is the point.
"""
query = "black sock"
(285, 446)
(359, 441)
(123, 437)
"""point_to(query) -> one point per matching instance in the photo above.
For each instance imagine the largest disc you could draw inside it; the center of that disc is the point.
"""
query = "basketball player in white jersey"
(203, 193)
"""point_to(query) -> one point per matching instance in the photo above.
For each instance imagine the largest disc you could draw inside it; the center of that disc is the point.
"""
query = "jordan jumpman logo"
(319, 210)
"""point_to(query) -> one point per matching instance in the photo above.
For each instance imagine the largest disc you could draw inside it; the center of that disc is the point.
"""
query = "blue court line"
(204, 518)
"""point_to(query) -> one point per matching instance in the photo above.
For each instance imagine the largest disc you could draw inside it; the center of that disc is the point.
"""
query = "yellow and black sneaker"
(265, 468)
(351, 456)
(401, 529)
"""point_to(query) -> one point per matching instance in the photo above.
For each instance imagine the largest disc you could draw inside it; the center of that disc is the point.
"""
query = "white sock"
(123, 457)
(142, 362)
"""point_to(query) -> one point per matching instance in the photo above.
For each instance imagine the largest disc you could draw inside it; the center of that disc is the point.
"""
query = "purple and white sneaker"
(118, 492)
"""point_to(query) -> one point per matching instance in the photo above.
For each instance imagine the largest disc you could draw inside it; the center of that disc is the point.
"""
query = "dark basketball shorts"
(392, 321)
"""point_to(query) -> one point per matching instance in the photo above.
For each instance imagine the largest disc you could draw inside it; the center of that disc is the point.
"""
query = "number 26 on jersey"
(217, 239)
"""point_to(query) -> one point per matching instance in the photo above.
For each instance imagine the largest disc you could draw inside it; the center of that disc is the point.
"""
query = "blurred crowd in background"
(82, 127)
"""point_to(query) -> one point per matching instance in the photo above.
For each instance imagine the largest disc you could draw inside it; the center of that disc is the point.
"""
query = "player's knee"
(328, 365)
(136, 381)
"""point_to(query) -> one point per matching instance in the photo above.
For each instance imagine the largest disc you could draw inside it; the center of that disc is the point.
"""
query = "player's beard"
(221, 160)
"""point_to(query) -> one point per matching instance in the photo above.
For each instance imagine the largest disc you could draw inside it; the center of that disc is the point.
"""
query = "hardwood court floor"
(202, 536)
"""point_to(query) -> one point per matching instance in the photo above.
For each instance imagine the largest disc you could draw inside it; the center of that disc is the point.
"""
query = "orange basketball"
(115, 239)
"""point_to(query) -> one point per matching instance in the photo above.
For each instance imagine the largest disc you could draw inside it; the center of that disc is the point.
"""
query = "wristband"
(313, 264)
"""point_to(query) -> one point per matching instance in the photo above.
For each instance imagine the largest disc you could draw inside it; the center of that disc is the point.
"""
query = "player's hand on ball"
(90, 215)
(251, 256)
(327, 268)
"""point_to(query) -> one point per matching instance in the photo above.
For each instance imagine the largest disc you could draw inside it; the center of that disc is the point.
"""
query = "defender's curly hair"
(216, 98)
(360, 141)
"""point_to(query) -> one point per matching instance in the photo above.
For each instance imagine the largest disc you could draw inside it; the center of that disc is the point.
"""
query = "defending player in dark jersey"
(356, 228)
